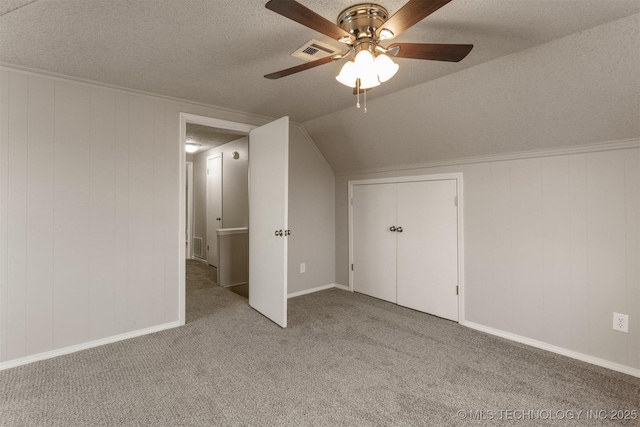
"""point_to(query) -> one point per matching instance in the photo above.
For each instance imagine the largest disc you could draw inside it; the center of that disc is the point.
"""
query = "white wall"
(89, 213)
(551, 248)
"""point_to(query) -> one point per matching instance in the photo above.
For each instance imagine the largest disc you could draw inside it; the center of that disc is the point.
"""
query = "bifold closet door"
(428, 247)
(374, 245)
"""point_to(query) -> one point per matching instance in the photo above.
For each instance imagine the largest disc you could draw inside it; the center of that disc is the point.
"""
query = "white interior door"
(374, 244)
(428, 247)
(268, 222)
(214, 207)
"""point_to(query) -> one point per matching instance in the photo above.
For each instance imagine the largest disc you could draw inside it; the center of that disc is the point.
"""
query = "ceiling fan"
(362, 28)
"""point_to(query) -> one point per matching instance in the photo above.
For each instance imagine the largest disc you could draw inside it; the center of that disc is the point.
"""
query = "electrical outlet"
(303, 267)
(620, 322)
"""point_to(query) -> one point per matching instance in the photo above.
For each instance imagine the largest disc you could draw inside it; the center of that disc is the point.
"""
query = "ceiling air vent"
(313, 50)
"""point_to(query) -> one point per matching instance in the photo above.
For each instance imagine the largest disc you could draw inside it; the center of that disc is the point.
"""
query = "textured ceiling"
(217, 52)
(209, 137)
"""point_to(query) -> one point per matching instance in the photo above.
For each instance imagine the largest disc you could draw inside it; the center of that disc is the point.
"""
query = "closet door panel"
(374, 245)
(428, 247)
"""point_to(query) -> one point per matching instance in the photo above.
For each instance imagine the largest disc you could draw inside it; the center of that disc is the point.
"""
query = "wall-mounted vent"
(197, 247)
(314, 49)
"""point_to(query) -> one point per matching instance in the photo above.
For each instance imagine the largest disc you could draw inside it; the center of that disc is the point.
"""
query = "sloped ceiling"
(216, 52)
(582, 89)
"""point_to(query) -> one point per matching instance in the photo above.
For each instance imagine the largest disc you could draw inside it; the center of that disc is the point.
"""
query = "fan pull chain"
(365, 101)
(358, 93)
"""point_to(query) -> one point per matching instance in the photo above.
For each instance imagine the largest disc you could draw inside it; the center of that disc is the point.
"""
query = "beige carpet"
(345, 360)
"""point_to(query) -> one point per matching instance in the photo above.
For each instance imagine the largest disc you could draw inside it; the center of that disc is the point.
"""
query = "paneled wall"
(90, 234)
(551, 248)
(84, 214)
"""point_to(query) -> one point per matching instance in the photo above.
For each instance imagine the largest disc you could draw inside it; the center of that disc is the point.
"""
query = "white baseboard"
(343, 287)
(554, 349)
(234, 284)
(310, 291)
(84, 346)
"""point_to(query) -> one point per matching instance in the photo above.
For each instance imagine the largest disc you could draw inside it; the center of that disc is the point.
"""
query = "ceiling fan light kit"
(362, 27)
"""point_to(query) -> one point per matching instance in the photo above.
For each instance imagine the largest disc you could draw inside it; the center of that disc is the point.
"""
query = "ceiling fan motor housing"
(363, 20)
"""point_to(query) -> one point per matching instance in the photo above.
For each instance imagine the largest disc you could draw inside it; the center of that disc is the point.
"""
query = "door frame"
(189, 203)
(209, 227)
(457, 176)
(206, 121)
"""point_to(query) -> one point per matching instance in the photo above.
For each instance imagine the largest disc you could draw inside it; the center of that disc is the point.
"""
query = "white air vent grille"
(197, 247)
(313, 50)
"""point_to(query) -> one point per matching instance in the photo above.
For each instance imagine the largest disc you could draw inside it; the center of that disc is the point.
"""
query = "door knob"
(218, 219)
(392, 228)
(278, 232)
(399, 230)
(287, 232)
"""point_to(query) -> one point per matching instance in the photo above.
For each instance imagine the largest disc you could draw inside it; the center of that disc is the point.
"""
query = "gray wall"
(551, 243)
(551, 248)
(311, 199)
(311, 215)
(235, 195)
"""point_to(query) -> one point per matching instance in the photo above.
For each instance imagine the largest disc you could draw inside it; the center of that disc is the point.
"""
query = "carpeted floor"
(346, 360)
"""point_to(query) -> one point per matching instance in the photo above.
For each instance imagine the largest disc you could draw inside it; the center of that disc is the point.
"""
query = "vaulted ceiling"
(216, 52)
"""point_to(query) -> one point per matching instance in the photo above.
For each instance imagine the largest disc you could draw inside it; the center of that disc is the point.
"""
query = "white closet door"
(374, 245)
(268, 219)
(214, 207)
(428, 247)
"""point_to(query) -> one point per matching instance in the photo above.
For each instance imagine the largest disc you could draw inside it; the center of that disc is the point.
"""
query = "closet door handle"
(399, 230)
(392, 228)
(278, 232)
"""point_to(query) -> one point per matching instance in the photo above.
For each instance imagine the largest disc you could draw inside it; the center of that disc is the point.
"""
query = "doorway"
(267, 280)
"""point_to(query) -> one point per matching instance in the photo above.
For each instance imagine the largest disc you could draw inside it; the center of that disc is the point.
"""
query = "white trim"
(310, 291)
(190, 217)
(234, 284)
(554, 349)
(548, 152)
(458, 177)
(87, 345)
(207, 215)
(342, 287)
(207, 121)
(229, 231)
(87, 82)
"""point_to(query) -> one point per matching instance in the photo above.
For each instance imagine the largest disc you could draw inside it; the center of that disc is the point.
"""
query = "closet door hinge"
(351, 267)
(351, 201)
(455, 201)
(457, 290)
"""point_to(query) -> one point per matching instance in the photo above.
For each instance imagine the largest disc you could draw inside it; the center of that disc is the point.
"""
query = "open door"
(268, 222)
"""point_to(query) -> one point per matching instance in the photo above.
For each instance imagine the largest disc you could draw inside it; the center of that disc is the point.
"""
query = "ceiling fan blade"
(434, 52)
(298, 68)
(410, 14)
(295, 11)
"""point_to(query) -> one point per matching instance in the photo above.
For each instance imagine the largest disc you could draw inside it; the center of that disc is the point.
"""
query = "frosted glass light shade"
(385, 67)
(191, 148)
(369, 79)
(347, 74)
(363, 62)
